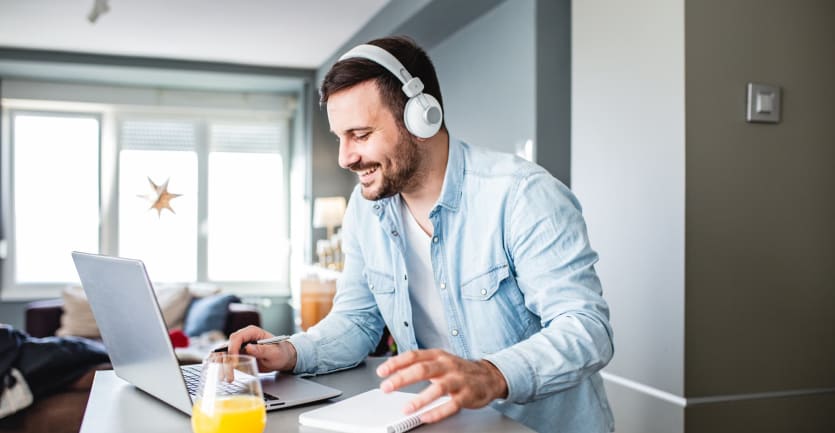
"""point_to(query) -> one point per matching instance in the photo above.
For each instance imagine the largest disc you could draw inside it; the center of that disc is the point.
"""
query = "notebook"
(370, 412)
(125, 307)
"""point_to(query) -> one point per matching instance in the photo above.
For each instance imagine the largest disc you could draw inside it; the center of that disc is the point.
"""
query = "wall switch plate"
(763, 103)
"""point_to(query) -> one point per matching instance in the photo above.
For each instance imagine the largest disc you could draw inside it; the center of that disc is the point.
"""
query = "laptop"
(127, 313)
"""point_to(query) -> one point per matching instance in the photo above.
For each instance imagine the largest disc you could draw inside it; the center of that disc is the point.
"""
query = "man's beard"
(400, 172)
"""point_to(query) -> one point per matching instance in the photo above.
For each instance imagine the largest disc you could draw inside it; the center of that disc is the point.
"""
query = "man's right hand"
(270, 357)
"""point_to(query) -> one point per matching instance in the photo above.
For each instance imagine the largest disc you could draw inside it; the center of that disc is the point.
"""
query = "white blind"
(158, 135)
(251, 137)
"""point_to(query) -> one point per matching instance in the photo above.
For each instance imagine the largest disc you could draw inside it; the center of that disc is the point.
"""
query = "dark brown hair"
(352, 71)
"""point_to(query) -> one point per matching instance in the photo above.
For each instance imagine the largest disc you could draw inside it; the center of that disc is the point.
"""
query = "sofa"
(63, 411)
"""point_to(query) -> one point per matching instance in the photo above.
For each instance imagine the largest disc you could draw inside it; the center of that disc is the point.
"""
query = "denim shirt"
(515, 273)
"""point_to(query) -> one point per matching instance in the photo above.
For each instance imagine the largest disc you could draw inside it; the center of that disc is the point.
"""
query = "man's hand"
(270, 357)
(470, 384)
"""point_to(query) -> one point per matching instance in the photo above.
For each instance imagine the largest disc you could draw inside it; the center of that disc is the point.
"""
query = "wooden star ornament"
(162, 198)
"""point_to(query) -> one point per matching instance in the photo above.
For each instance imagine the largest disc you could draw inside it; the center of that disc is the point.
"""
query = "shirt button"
(406, 324)
(376, 206)
(435, 239)
(394, 232)
(483, 292)
(454, 332)
(371, 286)
(443, 286)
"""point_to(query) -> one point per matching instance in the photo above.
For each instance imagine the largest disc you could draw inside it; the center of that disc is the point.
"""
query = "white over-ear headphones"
(423, 114)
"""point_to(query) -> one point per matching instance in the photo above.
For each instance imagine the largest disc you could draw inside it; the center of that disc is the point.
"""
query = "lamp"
(328, 213)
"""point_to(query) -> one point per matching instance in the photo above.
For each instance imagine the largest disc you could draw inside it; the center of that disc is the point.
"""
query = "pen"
(272, 340)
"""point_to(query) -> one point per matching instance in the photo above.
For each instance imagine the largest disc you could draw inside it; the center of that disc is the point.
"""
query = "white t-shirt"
(428, 317)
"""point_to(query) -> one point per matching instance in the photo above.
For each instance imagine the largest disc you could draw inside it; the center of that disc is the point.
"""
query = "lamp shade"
(328, 211)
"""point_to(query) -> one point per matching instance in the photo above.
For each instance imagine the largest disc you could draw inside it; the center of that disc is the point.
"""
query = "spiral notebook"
(370, 412)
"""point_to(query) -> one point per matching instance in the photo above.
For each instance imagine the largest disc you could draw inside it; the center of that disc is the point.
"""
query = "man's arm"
(554, 268)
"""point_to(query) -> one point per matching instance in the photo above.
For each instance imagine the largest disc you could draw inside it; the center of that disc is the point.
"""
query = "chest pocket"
(378, 282)
(495, 310)
(483, 287)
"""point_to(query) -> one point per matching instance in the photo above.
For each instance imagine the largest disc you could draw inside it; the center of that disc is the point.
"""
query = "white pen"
(272, 340)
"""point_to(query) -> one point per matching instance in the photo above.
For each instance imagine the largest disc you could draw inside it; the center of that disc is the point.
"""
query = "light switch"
(763, 103)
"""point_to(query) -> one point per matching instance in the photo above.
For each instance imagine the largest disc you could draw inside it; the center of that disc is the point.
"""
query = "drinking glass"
(224, 406)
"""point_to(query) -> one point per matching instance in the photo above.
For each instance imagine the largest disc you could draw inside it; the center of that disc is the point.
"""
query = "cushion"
(208, 314)
(77, 318)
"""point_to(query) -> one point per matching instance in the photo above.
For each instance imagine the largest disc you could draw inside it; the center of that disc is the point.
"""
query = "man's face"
(371, 144)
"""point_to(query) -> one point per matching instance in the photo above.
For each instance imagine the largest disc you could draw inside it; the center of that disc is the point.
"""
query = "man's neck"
(421, 197)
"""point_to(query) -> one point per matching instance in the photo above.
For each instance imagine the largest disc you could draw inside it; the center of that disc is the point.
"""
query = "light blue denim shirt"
(515, 272)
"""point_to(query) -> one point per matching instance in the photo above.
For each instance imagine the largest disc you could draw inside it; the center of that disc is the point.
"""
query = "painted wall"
(627, 168)
(628, 171)
(486, 70)
(760, 241)
(715, 235)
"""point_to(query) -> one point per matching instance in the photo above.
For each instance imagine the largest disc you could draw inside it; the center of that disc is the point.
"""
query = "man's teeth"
(369, 171)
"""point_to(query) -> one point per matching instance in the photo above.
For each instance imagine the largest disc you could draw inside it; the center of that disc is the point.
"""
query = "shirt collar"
(454, 177)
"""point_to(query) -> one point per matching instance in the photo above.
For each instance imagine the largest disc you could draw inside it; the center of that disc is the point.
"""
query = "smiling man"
(478, 262)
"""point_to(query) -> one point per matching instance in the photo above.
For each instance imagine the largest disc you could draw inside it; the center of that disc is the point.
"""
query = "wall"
(486, 71)
(627, 169)
(760, 241)
(715, 235)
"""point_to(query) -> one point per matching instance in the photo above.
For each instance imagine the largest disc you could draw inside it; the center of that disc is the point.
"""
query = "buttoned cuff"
(517, 372)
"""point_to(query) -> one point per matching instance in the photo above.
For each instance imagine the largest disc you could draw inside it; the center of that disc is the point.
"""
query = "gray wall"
(627, 170)
(716, 236)
(486, 71)
(760, 242)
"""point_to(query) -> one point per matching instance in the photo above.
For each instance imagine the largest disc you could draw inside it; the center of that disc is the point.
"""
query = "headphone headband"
(423, 114)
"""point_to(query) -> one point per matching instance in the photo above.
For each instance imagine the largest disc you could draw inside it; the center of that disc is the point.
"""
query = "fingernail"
(381, 371)
(386, 386)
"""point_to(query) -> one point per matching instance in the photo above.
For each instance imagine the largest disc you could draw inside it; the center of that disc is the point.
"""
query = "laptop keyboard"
(191, 374)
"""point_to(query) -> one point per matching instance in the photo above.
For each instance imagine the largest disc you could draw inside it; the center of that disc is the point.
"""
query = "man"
(478, 262)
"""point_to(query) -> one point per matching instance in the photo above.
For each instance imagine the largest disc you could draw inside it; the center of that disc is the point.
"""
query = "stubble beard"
(402, 170)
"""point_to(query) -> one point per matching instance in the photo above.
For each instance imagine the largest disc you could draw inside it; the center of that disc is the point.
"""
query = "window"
(90, 181)
(54, 195)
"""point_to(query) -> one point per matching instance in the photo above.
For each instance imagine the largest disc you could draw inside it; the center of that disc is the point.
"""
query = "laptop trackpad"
(292, 390)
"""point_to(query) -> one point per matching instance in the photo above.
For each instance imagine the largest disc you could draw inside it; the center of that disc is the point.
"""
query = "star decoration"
(162, 199)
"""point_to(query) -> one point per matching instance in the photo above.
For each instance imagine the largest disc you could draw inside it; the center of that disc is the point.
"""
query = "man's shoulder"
(484, 161)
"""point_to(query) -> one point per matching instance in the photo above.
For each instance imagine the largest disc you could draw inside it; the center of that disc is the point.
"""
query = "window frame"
(110, 118)
(9, 257)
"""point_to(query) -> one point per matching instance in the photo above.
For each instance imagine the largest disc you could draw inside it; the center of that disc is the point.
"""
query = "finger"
(443, 411)
(268, 356)
(414, 373)
(241, 336)
(405, 359)
(428, 395)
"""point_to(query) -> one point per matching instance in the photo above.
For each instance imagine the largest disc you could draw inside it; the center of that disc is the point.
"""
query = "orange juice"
(235, 414)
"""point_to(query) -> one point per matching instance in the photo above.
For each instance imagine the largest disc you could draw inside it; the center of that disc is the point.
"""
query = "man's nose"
(347, 155)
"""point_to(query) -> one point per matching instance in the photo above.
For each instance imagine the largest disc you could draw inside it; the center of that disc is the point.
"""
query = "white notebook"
(370, 412)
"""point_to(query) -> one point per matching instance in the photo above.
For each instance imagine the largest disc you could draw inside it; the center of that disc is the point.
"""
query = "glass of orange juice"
(229, 398)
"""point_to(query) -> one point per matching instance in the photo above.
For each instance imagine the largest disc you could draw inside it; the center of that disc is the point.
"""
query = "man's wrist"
(290, 355)
(500, 389)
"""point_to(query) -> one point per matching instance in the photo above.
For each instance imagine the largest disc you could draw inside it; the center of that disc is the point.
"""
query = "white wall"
(486, 71)
(628, 170)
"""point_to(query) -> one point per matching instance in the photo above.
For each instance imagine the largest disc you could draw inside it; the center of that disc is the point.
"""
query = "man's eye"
(362, 137)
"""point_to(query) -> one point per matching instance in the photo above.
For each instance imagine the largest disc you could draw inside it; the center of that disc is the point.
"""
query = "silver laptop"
(127, 313)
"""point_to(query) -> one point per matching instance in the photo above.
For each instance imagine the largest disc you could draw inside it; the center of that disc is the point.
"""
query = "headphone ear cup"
(423, 115)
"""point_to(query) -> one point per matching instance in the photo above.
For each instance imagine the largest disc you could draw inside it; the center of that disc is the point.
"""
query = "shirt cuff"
(306, 361)
(518, 374)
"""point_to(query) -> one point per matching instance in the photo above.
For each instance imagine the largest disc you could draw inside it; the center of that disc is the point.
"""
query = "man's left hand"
(470, 384)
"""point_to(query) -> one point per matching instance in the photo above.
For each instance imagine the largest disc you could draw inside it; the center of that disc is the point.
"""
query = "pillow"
(78, 319)
(208, 314)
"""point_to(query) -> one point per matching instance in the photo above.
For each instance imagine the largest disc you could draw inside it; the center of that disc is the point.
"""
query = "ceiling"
(276, 33)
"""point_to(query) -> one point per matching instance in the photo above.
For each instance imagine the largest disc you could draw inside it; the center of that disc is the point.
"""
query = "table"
(117, 406)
